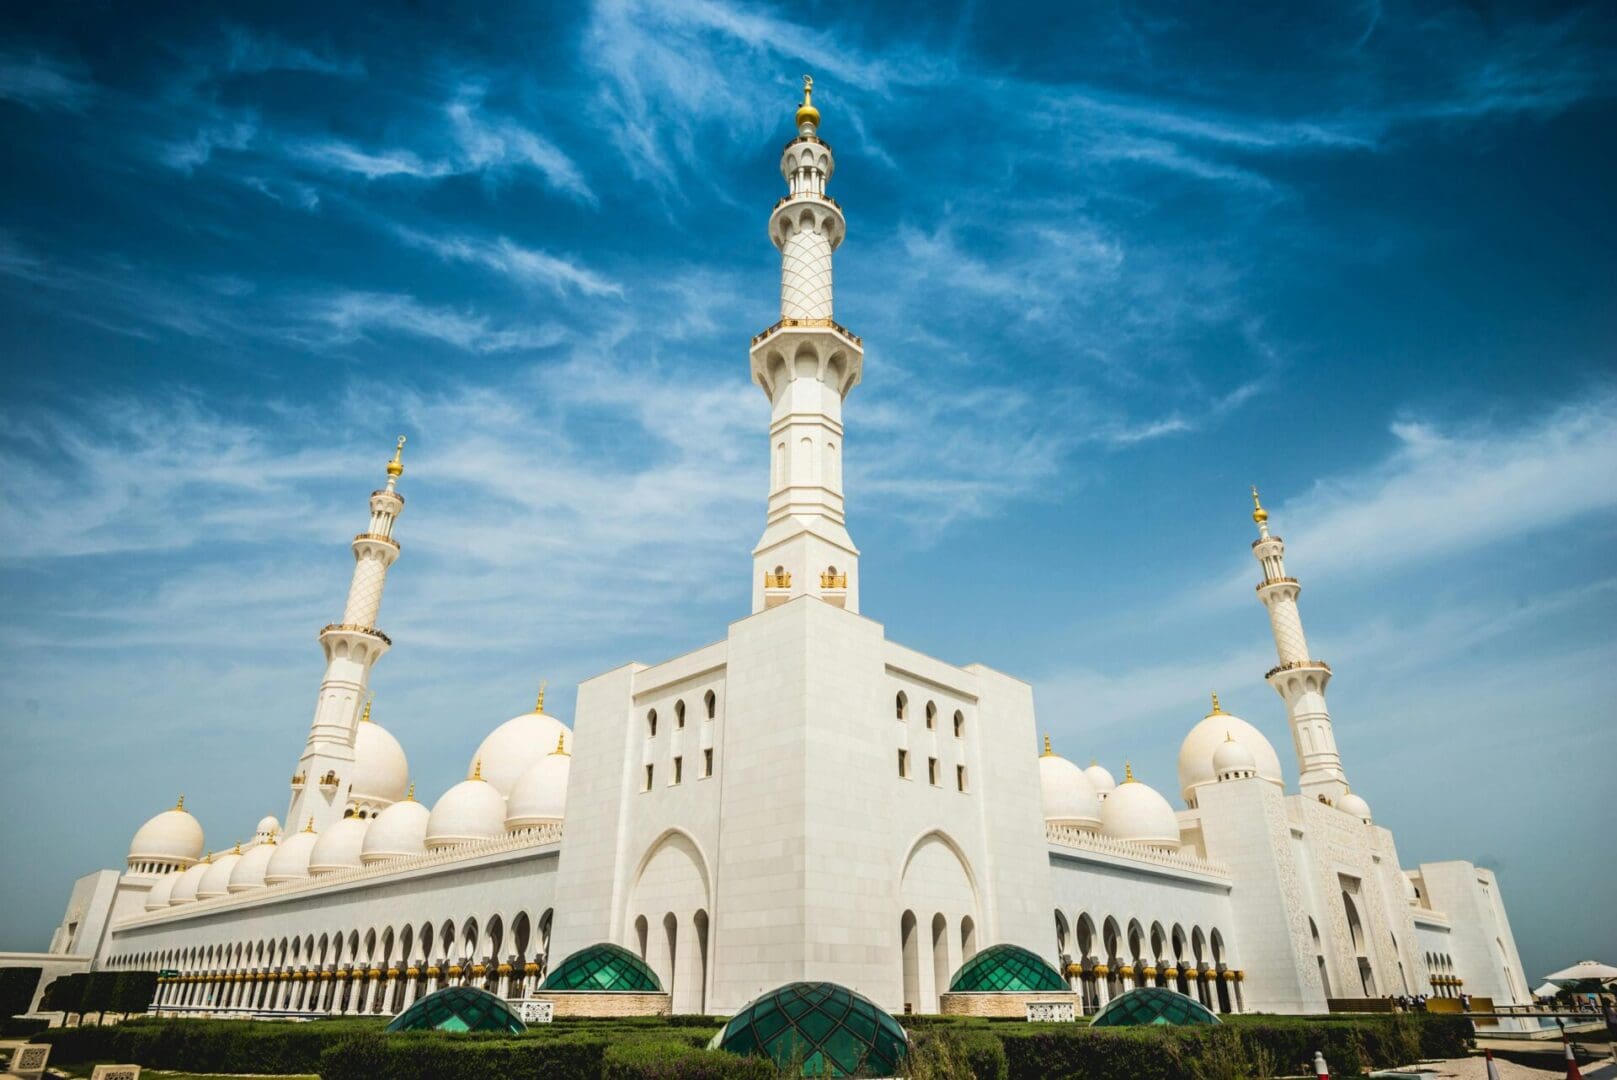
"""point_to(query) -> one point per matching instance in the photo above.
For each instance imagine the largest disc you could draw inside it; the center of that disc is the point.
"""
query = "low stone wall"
(605, 1003)
(953, 1004)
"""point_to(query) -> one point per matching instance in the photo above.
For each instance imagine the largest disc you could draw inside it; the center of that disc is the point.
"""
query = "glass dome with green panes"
(1152, 1005)
(458, 1008)
(820, 1027)
(1007, 969)
(603, 968)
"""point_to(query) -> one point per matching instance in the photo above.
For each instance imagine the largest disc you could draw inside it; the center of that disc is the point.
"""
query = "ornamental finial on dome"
(310, 826)
(180, 805)
(1047, 751)
(539, 703)
(1260, 516)
(1216, 710)
(395, 468)
(477, 769)
(365, 717)
(806, 112)
(1128, 773)
(409, 796)
(561, 744)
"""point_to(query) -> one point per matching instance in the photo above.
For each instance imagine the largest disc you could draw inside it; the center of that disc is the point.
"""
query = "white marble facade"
(804, 798)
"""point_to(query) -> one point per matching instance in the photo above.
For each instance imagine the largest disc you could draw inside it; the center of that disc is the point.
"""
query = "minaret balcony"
(1298, 665)
(830, 324)
(777, 588)
(298, 781)
(1277, 581)
(355, 628)
(378, 538)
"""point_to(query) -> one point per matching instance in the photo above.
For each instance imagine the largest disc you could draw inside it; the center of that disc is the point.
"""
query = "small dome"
(603, 967)
(398, 832)
(173, 836)
(163, 891)
(1350, 803)
(291, 859)
(1216, 728)
(459, 1008)
(339, 847)
(1100, 779)
(216, 882)
(1068, 797)
(185, 889)
(1140, 815)
(1152, 1005)
(540, 797)
(471, 810)
(381, 773)
(1007, 969)
(267, 828)
(818, 1029)
(1233, 760)
(515, 746)
(249, 872)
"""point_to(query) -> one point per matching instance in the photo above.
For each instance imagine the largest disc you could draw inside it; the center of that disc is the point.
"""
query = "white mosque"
(802, 799)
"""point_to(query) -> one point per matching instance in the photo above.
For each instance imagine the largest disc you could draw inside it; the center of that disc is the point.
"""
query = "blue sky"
(1111, 263)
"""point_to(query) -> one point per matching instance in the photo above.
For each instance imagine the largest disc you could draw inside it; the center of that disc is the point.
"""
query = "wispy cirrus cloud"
(525, 265)
(41, 81)
(352, 315)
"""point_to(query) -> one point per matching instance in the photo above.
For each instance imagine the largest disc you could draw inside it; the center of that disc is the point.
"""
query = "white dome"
(381, 773)
(1196, 752)
(291, 859)
(216, 882)
(540, 796)
(338, 847)
(1100, 779)
(164, 890)
(1068, 797)
(172, 836)
(515, 746)
(1140, 815)
(471, 810)
(1233, 760)
(249, 872)
(1350, 803)
(396, 833)
(185, 889)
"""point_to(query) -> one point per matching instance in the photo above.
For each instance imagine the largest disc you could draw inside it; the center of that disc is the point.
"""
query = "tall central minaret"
(320, 786)
(1298, 679)
(806, 363)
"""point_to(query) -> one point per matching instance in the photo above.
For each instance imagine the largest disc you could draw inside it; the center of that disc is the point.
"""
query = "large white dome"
(1350, 803)
(163, 891)
(249, 872)
(291, 859)
(396, 833)
(381, 773)
(1196, 752)
(1140, 815)
(512, 748)
(1068, 796)
(185, 889)
(339, 847)
(540, 796)
(173, 836)
(471, 810)
(216, 882)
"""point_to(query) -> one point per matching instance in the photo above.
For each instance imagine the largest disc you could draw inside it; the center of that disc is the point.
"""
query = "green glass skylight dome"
(1007, 969)
(830, 1029)
(458, 1008)
(1152, 1005)
(604, 967)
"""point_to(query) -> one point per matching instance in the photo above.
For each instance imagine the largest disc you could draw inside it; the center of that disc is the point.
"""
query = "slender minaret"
(320, 786)
(1298, 678)
(806, 363)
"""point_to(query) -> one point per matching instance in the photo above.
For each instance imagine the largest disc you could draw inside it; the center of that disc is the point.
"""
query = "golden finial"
(806, 112)
(561, 744)
(365, 717)
(237, 851)
(477, 769)
(310, 826)
(1259, 514)
(1093, 762)
(1047, 751)
(181, 804)
(1229, 736)
(1216, 710)
(395, 468)
(410, 795)
(1128, 773)
(539, 705)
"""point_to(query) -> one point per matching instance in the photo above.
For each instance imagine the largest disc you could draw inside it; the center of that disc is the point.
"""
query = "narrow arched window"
(959, 724)
(679, 713)
(651, 724)
(931, 715)
(711, 700)
(903, 705)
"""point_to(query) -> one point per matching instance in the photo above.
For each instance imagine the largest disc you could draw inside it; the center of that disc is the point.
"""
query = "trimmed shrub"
(17, 986)
(964, 1052)
(204, 1046)
(440, 1056)
(668, 1060)
(17, 1027)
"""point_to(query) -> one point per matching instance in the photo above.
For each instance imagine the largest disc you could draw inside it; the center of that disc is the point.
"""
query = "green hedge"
(412, 1055)
(205, 1046)
(672, 1060)
(17, 986)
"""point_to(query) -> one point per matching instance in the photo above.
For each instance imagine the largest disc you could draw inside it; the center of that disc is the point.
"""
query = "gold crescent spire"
(365, 717)
(561, 744)
(806, 112)
(181, 804)
(539, 705)
(477, 769)
(1216, 710)
(1259, 514)
(1128, 773)
(410, 795)
(395, 468)
(1047, 751)
(310, 826)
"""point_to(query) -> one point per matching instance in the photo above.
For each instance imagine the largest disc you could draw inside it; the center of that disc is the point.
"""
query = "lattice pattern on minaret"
(365, 592)
(805, 276)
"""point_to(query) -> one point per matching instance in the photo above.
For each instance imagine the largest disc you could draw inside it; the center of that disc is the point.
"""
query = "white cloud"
(351, 315)
(40, 81)
(528, 266)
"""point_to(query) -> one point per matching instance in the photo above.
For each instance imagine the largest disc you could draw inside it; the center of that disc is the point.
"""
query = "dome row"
(1090, 800)
(524, 786)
